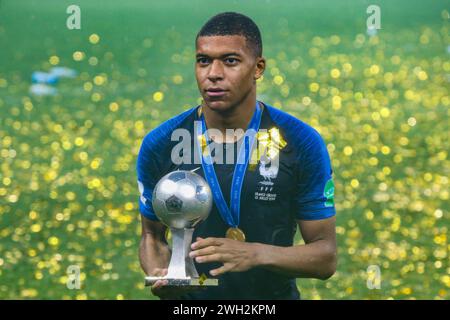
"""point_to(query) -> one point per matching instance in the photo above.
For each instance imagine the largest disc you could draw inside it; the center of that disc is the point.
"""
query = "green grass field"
(68, 191)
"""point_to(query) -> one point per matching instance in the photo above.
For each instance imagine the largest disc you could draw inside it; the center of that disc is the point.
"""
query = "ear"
(260, 67)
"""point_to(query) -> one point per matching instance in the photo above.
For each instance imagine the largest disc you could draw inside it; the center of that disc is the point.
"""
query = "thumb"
(159, 272)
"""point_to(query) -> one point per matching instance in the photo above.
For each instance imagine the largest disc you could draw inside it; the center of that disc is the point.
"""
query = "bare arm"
(317, 258)
(154, 253)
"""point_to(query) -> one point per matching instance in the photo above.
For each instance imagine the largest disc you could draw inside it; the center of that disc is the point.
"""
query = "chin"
(218, 105)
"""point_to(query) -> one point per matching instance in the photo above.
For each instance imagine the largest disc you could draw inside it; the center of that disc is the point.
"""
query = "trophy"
(181, 200)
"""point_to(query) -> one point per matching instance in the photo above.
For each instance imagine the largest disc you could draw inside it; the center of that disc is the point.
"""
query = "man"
(251, 250)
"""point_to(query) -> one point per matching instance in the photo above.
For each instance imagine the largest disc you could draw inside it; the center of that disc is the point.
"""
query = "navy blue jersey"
(299, 187)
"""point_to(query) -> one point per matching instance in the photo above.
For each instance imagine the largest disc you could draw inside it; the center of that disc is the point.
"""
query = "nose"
(215, 71)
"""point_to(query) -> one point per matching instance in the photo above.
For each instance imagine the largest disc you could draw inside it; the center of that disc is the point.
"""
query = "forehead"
(221, 45)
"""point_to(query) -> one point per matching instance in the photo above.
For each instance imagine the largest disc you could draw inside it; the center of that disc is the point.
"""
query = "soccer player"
(247, 242)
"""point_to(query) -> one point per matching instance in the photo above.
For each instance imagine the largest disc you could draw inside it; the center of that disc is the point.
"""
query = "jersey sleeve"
(315, 188)
(147, 176)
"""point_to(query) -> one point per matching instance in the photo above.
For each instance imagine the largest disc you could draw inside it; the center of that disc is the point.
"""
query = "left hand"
(236, 256)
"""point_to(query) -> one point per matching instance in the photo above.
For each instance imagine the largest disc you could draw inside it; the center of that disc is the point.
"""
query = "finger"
(210, 241)
(159, 284)
(204, 251)
(162, 283)
(217, 257)
(223, 269)
(159, 272)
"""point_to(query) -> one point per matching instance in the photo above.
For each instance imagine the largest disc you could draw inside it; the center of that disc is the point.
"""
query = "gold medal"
(235, 234)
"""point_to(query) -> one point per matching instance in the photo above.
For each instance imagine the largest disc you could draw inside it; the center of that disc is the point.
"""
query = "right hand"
(164, 292)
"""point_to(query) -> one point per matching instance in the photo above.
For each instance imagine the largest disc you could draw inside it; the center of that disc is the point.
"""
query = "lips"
(215, 92)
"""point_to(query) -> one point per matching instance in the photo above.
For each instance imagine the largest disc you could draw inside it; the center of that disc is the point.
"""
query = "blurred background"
(76, 104)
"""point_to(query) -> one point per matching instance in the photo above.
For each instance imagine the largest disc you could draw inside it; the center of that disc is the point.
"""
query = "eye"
(202, 60)
(231, 61)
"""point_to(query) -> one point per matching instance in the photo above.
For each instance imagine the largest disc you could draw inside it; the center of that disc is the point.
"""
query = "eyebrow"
(202, 55)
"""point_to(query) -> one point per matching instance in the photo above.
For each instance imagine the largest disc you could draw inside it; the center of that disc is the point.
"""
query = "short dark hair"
(233, 23)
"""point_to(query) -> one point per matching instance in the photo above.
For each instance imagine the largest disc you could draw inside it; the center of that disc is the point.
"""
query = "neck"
(237, 117)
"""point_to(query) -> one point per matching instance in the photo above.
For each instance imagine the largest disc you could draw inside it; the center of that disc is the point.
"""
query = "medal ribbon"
(231, 217)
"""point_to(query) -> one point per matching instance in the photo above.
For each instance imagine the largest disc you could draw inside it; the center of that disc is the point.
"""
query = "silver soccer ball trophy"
(182, 199)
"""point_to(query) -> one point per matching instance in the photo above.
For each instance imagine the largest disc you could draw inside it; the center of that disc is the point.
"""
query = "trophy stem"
(181, 265)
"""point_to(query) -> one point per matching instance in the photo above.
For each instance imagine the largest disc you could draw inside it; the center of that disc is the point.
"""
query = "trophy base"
(191, 282)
